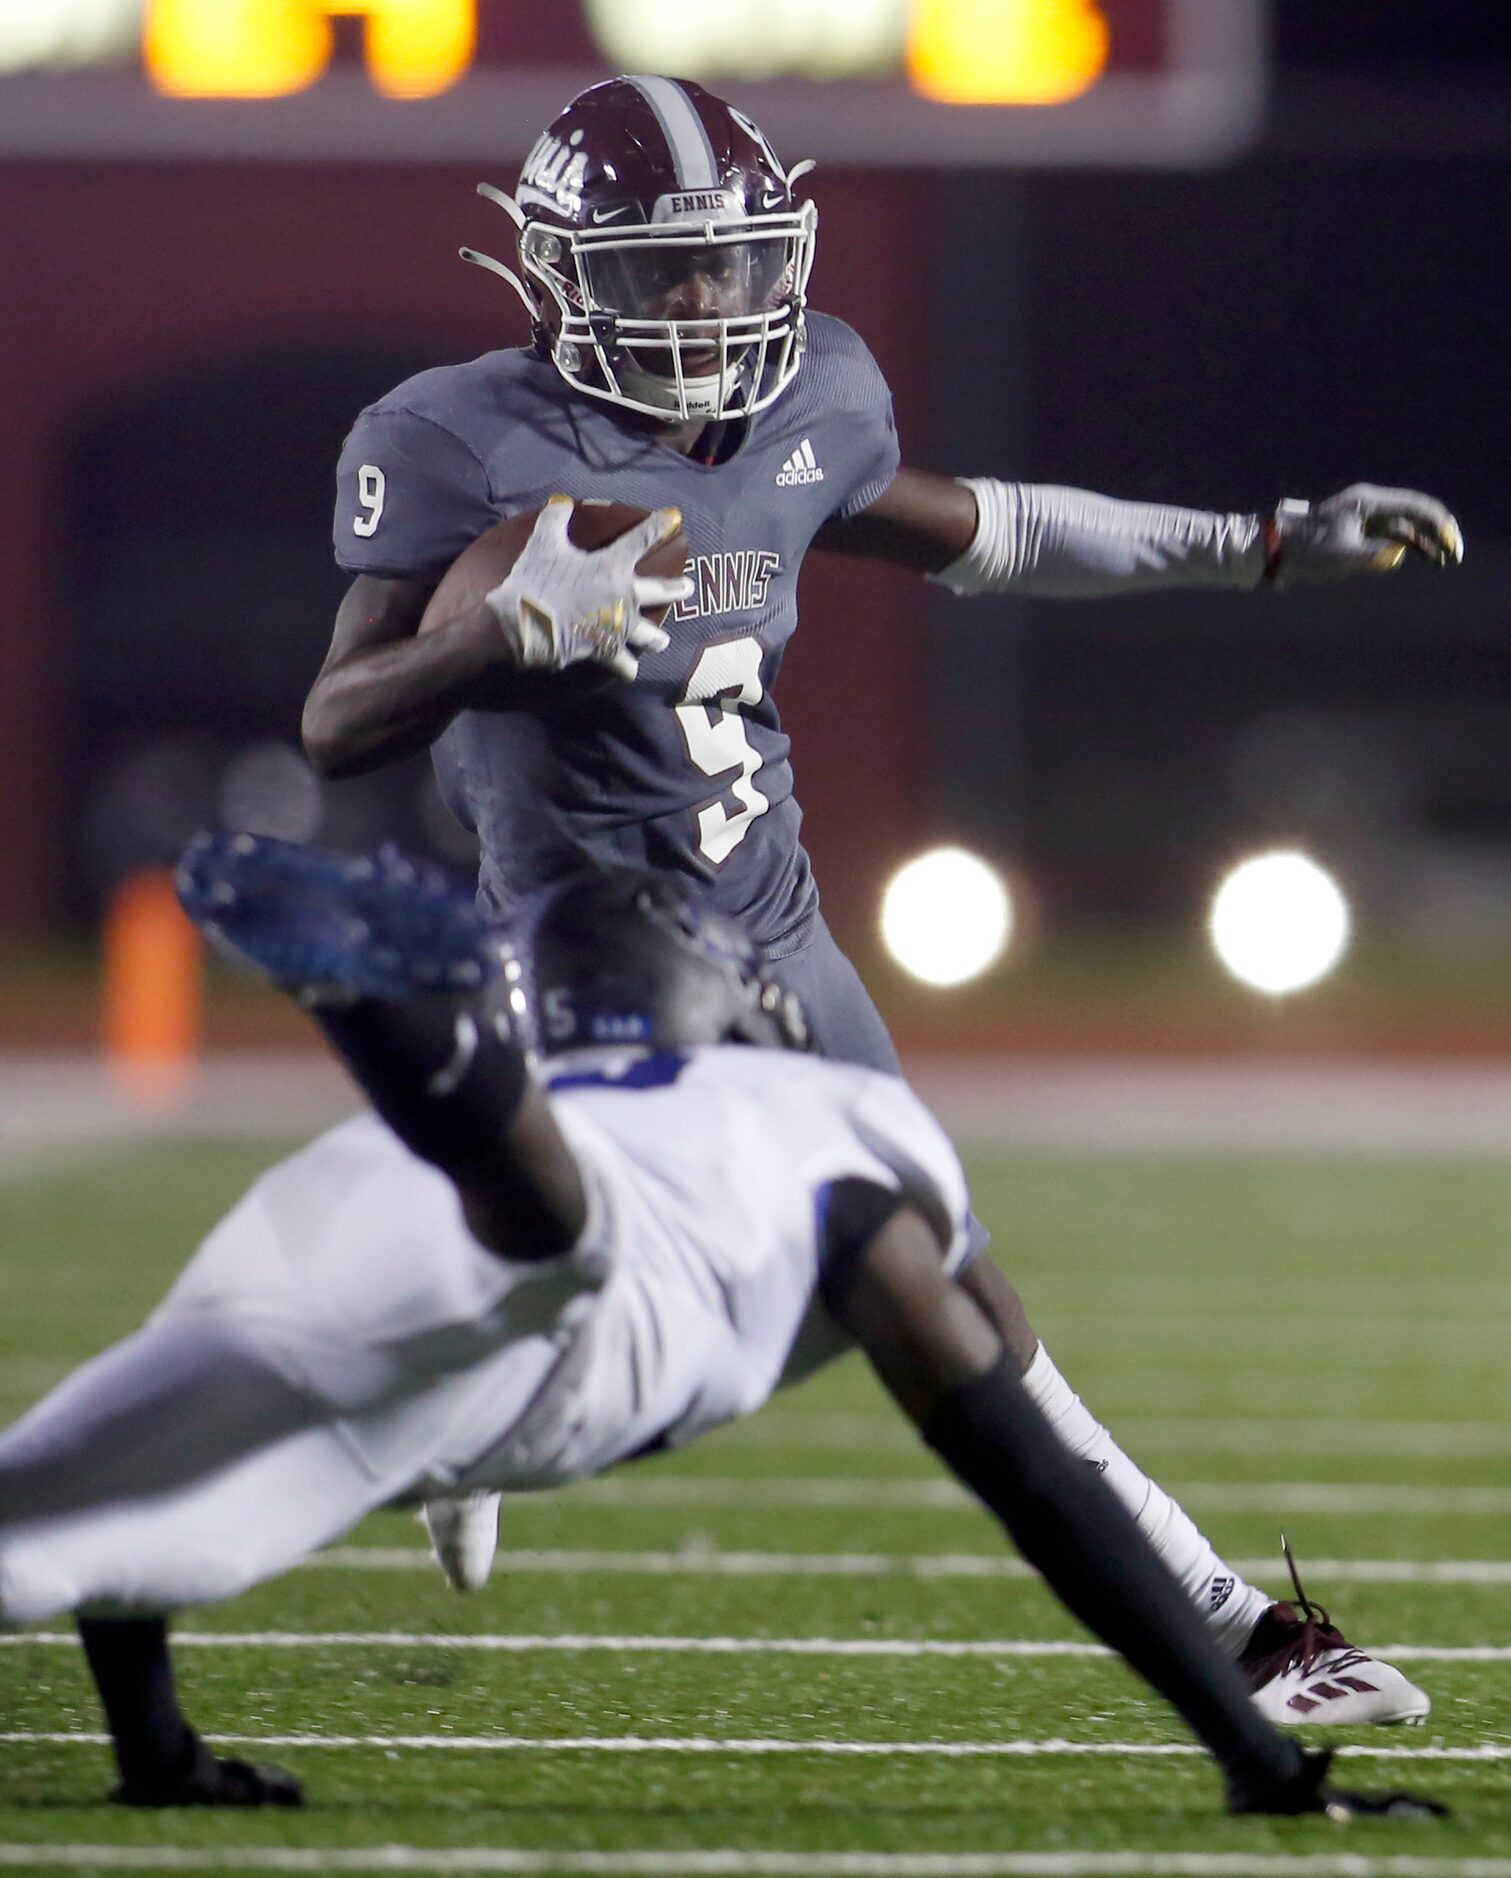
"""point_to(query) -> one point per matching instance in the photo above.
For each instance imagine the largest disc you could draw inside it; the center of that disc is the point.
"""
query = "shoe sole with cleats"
(336, 926)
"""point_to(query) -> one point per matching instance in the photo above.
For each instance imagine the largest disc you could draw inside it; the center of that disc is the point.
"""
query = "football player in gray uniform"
(516, 1278)
(663, 254)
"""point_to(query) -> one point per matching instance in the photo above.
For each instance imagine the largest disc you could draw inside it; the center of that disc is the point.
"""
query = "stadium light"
(1279, 922)
(946, 916)
(749, 38)
(954, 51)
(65, 33)
(1006, 51)
(270, 48)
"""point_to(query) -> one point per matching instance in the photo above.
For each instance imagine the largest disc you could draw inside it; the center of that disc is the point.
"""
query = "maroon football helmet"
(664, 259)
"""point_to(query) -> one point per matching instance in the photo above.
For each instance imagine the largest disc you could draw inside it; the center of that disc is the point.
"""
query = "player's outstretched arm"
(940, 1357)
(983, 536)
(416, 995)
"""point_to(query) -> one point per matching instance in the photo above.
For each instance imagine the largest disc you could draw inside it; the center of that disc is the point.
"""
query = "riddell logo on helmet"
(800, 467)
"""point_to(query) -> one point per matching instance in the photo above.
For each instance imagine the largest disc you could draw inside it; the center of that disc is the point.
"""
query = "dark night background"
(1332, 308)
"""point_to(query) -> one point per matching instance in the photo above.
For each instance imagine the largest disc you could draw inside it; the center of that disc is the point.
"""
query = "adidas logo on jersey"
(800, 467)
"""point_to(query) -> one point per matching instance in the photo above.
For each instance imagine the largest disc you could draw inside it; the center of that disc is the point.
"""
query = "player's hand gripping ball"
(578, 591)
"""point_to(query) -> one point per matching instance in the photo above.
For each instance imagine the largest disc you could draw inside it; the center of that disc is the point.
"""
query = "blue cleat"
(332, 927)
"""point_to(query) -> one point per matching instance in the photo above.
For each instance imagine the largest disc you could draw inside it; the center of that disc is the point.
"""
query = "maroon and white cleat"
(1302, 1669)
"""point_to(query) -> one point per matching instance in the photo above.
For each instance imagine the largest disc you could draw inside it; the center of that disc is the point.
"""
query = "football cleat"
(331, 927)
(1308, 1791)
(463, 1530)
(211, 1781)
(1302, 1669)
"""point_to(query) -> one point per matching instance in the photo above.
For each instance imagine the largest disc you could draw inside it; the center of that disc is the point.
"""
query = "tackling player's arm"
(978, 535)
(449, 1077)
(531, 1203)
(416, 994)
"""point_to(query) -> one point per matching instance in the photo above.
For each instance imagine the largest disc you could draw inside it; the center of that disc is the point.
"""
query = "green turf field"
(1314, 1345)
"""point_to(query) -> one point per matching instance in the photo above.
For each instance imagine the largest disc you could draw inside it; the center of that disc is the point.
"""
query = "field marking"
(847, 1430)
(1132, 1104)
(707, 1563)
(850, 1431)
(1053, 1747)
(1319, 1496)
(1446, 1108)
(509, 1644)
(939, 1495)
(733, 1863)
(729, 1862)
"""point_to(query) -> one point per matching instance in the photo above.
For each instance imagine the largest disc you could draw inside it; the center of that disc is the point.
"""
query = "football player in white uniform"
(504, 1280)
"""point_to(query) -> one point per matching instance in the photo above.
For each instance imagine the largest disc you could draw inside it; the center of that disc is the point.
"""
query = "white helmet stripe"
(692, 154)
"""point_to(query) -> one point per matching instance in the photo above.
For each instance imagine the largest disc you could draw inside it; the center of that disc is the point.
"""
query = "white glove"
(1363, 529)
(560, 604)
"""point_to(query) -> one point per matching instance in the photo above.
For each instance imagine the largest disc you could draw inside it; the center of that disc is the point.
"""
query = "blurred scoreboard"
(872, 82)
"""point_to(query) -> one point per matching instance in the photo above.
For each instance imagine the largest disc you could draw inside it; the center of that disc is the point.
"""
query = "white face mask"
(623, 333)
(677, 321)
(708, 398)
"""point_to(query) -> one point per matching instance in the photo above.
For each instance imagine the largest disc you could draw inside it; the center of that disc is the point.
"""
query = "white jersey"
(689, 1298)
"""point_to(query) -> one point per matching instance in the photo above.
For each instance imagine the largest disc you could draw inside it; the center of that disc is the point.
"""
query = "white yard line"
(56, 1101)
(729, 1862)
(847, 1431)
(1075, 1103)
(699, 1563)
(523, 1645)
(843, 1432)
(710, 1564)
(733, 1863)
(941, 1495)
(586, 1645)
(1342, 1497)
(1134, 1104)
(750, 1745)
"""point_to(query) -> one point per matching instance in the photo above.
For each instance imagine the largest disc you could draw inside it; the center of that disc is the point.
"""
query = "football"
(483, 564)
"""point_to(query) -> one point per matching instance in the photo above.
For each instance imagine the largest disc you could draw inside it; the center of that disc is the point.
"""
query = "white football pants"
(177, 1468)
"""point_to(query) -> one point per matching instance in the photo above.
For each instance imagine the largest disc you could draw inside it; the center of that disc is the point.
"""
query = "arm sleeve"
(410, 495)
(1036, 539)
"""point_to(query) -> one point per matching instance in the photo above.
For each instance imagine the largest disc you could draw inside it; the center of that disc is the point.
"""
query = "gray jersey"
(687, 768)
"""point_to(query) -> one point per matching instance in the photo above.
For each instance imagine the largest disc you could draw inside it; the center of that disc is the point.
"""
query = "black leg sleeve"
(1073, 1529)
(443, 1071)
(128, 1658)
(162, 1760)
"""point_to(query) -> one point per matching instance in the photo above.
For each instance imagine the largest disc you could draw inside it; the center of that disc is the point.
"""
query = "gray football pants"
(845, 1024)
